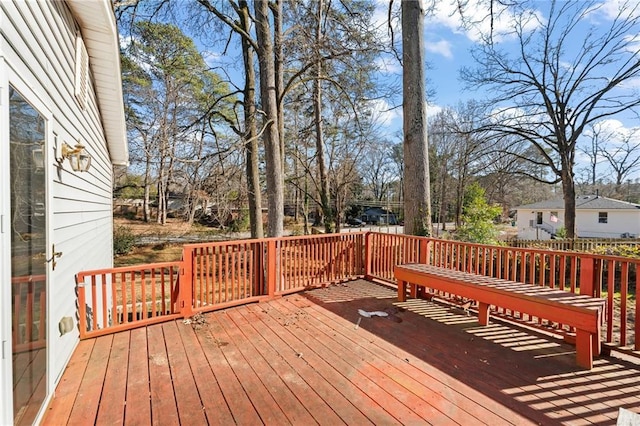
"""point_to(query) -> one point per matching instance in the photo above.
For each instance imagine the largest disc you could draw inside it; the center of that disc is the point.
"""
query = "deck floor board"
(311, 358)
(138, 407)
(111, 408)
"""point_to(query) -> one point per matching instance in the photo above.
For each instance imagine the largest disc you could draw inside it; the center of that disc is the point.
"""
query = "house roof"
(583, 202)
(100, 34)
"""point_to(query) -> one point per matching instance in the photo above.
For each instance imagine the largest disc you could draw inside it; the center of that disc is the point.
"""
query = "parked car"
(354, 221)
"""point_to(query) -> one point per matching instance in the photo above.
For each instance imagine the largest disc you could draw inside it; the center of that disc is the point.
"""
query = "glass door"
(28, 226)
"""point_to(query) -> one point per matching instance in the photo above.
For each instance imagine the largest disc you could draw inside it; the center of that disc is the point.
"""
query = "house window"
(81, 72)
(603, 217)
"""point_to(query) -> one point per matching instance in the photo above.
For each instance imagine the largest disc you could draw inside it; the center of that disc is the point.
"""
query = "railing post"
(587, 276)
(271, 267)
(367, 255)
(185, 283)
(82, 307)
(424, 250)
(258, 268)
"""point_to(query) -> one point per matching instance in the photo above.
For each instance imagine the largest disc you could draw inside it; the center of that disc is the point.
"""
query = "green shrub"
(561, 233)
(478, 218)
(621, 250)
(123, 240)
(241, 222)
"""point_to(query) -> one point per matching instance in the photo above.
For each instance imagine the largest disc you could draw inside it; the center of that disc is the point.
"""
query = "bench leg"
(483, 313)
(584, 349)
(413, 290)
(402, 291)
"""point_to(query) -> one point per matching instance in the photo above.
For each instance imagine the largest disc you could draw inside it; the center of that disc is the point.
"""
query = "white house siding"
(618, 222)
(526, 216)
(38, 46)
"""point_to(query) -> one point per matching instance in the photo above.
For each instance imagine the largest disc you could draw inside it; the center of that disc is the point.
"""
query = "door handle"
(54, 255)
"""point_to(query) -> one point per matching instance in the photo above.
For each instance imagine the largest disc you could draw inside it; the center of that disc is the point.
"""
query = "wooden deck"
(307, 359)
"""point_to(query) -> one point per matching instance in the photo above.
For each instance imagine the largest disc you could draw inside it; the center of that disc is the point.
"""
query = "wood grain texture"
(301, 359)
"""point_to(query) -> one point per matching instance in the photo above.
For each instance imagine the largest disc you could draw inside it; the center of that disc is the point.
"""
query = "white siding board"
(89, 122)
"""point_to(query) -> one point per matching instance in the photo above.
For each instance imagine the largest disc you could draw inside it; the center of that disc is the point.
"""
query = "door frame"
(10, 76)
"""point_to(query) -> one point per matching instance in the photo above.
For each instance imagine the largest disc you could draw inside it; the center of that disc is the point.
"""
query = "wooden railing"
(314, 261)
(222, 274)
(29, 312)
(384, 251)
(116, 299)
(615, 278)
(214, 276)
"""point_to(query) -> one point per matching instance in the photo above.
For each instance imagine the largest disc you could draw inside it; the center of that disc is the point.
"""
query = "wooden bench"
(580, 311)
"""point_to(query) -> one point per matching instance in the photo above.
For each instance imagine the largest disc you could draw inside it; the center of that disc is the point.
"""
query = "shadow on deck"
(311, 358)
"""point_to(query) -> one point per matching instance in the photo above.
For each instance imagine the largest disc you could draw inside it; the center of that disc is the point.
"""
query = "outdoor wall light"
(37, 156)
(79, 158)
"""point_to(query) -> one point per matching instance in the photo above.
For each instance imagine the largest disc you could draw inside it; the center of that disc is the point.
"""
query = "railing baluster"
(624, 284)
(611, 267)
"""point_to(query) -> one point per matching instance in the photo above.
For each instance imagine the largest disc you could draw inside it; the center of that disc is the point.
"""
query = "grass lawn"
(150, 254)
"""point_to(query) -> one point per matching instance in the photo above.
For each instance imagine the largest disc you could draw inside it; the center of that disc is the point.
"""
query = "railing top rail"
(417, 237)
(133, 268)
(264, 240)
(28, 279)
(546, 251)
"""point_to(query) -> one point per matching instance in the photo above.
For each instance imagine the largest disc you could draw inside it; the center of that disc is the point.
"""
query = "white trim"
(6, 387)
(13, 78)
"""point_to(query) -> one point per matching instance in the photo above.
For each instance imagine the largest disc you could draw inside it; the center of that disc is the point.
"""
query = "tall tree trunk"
(268, 96)
(417, 205)
(146, 213)
(250, 136)
(325, 198)
(569, 194)
(279, 65)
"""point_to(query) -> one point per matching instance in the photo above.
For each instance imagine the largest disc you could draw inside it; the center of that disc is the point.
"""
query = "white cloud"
(446, 13)
(383, 113)
(388, 65)
(614, 132)
(432, 110)
(633, 42)
(212, 59)
(442, 47)
(380, 21)
(612, 9)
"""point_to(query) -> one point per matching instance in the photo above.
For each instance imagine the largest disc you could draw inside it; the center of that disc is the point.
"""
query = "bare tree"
(242, 27)
(548, 92)
(622, 152)
(378, 169)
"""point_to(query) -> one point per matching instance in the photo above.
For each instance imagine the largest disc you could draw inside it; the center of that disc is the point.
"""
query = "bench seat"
(580, 311)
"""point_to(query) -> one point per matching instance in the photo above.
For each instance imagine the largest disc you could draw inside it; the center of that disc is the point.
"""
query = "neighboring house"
(596, 217)
(60, 86)
(379, 216)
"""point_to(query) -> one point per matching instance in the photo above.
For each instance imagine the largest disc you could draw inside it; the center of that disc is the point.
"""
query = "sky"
(448, 47)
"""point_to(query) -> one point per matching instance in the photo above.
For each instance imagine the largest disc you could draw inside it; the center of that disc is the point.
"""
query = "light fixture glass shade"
(80, 161)
(37, 155)
(79, 158)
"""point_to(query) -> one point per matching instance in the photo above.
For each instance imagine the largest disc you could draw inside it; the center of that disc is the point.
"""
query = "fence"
(581, 244)
(223, 274)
